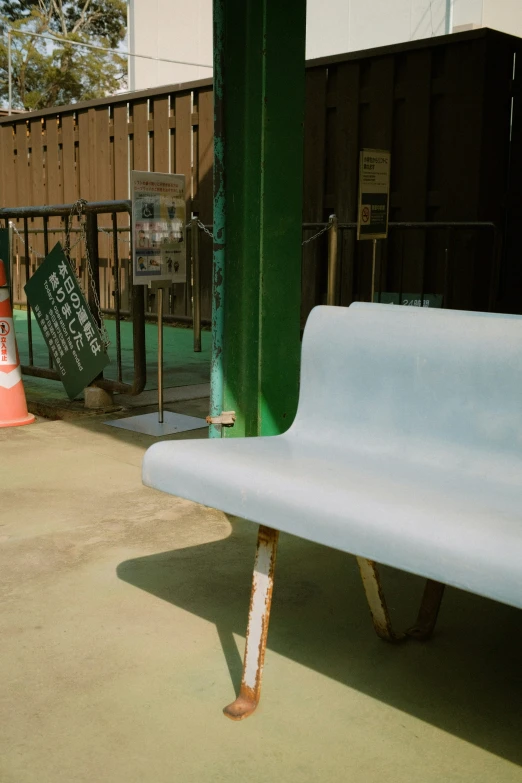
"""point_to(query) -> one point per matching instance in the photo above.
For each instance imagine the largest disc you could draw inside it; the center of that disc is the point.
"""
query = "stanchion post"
(196, 284)
(333, 236)
(374, 258)
(160, 355)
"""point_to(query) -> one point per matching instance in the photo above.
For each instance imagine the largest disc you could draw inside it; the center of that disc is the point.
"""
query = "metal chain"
(22, 239)
(110, 233)
(322, 231)
(205, 229)
(77, 210)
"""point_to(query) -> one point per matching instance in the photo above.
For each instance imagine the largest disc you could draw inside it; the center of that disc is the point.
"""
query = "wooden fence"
(443, 106)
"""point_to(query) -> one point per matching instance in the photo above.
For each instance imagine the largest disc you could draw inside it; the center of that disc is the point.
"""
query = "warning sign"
(374, 192)
(7, 343)
(66, 322)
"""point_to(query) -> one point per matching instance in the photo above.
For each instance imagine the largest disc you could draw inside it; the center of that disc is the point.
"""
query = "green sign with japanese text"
(67, 324)
(412, 300)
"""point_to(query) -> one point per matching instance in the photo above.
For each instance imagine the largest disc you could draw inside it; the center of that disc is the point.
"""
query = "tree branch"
(82, 20)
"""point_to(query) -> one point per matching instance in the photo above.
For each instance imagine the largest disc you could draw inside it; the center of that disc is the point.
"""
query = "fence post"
(95, 397)
(93, 265)
(196, 284)
(333, 235)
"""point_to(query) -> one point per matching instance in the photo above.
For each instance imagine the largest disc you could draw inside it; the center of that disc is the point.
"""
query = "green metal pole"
(262, 72)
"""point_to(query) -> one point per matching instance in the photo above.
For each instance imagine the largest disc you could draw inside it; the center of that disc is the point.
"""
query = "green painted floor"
(182, 367)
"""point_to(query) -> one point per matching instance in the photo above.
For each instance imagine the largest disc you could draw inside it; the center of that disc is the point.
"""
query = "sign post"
(159, 258)
(159, 247)
(160, 355)
(374, 200)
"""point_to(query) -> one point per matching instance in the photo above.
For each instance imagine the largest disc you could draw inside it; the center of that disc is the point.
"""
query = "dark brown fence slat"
(37, 169)
(54, 173)
(411, 139)
(70, 172)
(314, 181)
(204, 193)
(105, 191)
(183, 148)
(160, 110)
(140, 121)
(346, 158)
(83, 155)
(22, 166)
(121, 190)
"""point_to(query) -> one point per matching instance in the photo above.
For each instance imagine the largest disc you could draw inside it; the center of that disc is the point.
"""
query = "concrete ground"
(122, 626)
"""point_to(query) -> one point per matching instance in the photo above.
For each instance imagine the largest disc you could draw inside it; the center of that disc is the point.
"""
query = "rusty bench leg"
(257, 631)
(426, 619)
(376, 601)
(428, 612)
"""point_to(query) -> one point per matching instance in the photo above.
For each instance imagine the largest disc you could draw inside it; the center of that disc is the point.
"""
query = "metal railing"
(336, 229)
(85, 247)
(347, 257)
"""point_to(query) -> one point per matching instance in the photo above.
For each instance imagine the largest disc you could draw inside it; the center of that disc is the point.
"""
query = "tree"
(51, 73)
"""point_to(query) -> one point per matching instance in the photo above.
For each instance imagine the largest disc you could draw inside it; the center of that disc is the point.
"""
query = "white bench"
(406, 450)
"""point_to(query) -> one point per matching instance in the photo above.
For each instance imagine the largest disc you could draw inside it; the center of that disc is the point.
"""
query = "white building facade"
(175, 30)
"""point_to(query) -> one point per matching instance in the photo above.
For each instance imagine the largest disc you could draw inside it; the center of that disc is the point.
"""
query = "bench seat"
(406, 450)
(460, 528)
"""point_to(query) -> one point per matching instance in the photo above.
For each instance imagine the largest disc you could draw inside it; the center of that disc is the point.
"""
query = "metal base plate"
(148, 424)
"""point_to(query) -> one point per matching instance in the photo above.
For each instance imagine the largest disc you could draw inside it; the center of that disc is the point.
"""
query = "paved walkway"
(122, 627)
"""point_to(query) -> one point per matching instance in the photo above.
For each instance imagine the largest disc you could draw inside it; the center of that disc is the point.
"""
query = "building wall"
(503, 15)
(173, 30)
(164, 28)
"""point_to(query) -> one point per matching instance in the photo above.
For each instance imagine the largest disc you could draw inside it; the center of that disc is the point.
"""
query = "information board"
(158, 227)
(374, 194)
(66, 322)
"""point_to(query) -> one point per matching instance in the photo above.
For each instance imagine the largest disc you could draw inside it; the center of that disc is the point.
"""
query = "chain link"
(110, 233)
(204, 228)
(22, 239)
(322, 231)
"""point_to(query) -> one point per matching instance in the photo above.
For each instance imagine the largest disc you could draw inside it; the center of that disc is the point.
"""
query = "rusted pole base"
(241, 708)
(257, 631)
(426, 619)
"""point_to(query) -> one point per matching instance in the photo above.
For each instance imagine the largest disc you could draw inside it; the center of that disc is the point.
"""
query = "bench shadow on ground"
(467, 680)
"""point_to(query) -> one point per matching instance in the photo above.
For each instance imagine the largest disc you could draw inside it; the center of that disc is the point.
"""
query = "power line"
(11, 31)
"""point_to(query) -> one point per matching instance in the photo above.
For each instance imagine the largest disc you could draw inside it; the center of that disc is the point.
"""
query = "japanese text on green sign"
(67, 324)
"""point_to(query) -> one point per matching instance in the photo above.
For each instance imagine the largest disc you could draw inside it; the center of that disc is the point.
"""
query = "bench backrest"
(383, 377)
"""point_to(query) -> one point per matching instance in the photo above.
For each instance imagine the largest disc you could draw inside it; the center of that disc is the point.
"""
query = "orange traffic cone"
(13, 407)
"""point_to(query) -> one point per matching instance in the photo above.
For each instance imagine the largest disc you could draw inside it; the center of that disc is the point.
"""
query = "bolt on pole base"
(257, 631)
